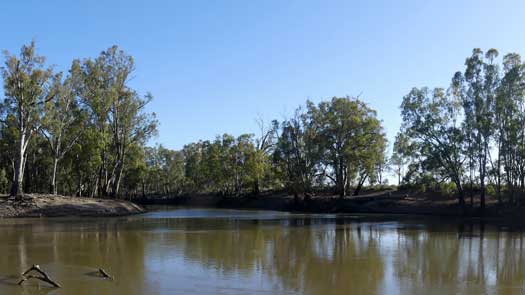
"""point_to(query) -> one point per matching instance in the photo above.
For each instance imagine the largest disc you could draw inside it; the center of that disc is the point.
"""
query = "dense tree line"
(337, 144)
(76, 133)
(85, 132)
(471, 134)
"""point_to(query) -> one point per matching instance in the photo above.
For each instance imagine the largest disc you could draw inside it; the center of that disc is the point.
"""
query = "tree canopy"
(471, 133)
(86, 133)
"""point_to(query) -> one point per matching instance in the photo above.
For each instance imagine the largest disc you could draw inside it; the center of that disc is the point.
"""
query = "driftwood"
(104, 274)
(43, 276)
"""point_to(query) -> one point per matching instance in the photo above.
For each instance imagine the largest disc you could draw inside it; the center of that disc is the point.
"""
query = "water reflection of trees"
(315, 257)
(309, 256)
(468, 259)
(301, 256)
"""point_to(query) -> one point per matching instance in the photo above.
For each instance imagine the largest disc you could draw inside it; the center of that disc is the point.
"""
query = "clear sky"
(214, 66)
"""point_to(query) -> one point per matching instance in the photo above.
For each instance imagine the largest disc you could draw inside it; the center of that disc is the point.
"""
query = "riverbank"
(372, 202)
(37, 205)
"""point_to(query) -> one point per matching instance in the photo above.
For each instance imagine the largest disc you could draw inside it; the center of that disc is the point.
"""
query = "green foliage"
(297, 154)
(447, 188)
(352, 139)
(85, 133)
(81, 129)
(473, 133)
(27, 89)
(431, 119)
(340, 140)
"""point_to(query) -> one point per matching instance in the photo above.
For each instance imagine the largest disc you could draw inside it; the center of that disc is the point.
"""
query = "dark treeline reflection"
(333, 256)
(300, 254)
(473, 259)
(287, 253)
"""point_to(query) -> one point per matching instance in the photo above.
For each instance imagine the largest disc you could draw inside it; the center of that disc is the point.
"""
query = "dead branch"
(43, 276)
(104, 274)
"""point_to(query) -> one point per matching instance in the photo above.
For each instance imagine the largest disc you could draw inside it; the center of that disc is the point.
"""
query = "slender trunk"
(79, 176)
(117, 179)
(16, 188)
(482, 196)
(53, 188)
(461, 194)
(99, 183)
(95, 187)
(482, 181)
(498, 174)
(360, 185)
(471, 190)
(143, 188)
(340, 181)
(79, 185)
(482, 173)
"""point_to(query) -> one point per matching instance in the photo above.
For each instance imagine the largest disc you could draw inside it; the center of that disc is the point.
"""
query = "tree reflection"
(472, 260)
(313, 257)
(303, 257)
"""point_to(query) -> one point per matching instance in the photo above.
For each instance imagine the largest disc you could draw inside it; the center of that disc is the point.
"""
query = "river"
(212, 251)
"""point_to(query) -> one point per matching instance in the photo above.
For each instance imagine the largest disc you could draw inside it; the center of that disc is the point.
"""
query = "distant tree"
(431, 119)
(352, 139)
(510, 119)
(297, 154)
(478, 97)
(400, 156)
(264, 146)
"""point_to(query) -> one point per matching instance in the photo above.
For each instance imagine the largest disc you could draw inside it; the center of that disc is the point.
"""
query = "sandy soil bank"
(35, 205)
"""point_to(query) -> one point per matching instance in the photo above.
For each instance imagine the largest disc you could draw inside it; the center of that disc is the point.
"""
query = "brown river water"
(212, 251)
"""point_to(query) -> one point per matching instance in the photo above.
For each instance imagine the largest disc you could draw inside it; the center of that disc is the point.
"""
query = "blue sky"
(214, 66)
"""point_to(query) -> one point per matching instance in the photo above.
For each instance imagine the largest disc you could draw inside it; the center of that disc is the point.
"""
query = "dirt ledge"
(37, 205)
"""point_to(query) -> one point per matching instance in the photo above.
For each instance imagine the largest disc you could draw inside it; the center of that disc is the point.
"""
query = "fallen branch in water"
(104, 274)
(43, 276)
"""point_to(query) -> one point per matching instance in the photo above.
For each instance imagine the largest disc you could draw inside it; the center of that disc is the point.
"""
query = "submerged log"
(104, 274)
(43, 276)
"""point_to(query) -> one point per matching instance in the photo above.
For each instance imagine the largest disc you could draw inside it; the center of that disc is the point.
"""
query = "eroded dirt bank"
(36, 205)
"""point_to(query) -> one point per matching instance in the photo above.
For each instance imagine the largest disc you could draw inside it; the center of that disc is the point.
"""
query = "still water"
(201, 251)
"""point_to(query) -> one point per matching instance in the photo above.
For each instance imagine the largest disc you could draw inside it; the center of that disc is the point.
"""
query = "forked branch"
(43, 276)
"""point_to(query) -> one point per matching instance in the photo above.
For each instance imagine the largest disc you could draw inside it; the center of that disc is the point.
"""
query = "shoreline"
(41, 205)
(377, 203)
(380, 203)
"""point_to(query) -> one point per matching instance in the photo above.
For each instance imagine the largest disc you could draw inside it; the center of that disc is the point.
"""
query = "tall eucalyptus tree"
(27, 88)
(117, 112)
(62, 124)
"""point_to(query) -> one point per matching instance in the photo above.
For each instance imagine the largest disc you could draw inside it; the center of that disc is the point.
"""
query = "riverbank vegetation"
(85, 133)
(337, 144)
(76, 133)
(471, 134)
